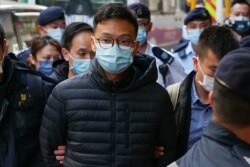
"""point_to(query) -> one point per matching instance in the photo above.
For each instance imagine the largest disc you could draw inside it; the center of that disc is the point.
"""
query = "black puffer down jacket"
(105, 123)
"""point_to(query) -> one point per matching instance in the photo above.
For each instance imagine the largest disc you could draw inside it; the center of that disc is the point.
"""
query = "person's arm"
(52, 132)
(167, 132)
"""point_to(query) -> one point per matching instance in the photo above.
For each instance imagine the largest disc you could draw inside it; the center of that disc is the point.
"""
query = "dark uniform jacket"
(105, 123)
(23, 95)
(183, 114)
(218, 147)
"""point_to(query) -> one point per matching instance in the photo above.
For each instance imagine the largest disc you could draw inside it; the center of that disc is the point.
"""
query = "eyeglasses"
(123, 44)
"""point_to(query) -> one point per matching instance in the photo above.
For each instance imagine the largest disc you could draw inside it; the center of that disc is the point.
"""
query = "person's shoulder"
(24, 54)
(180, 49)
(76, 82)
(165, 56)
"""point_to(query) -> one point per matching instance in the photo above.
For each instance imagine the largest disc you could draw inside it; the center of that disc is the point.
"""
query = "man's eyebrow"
(122, 35)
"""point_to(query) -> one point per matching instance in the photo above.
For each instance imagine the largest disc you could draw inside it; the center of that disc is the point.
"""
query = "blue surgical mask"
(114, 60)
(141, 35)
(193, 35)
(56, 34)
(80, 66)
(45, 67)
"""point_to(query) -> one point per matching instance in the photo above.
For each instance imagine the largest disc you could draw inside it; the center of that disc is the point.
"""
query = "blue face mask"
(45, 67)
(80, 65)
(193, 35)
(141, 35)
(114, 60)
(56, 34)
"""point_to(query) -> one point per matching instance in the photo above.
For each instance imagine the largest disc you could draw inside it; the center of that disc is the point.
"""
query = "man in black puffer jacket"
(115, 113)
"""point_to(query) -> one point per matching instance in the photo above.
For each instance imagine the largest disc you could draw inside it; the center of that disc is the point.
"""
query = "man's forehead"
(115, 27)
(60, 21)
(142, 20)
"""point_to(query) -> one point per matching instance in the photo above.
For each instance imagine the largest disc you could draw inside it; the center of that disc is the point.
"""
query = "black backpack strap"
(4, 106)
(36, 89)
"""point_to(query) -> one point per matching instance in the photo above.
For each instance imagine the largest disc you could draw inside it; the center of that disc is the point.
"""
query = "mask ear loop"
(201, 83)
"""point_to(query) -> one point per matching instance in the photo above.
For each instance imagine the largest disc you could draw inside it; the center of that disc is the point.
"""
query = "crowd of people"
(106, 96)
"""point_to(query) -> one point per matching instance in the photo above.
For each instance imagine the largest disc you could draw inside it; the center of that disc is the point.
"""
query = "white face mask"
(208, 82)
(240, 18)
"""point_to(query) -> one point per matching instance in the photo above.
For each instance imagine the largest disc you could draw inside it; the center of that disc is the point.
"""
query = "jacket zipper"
(126, 128)
(113, 123)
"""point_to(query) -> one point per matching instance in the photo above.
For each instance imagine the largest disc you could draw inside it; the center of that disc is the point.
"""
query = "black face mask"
(242, 27)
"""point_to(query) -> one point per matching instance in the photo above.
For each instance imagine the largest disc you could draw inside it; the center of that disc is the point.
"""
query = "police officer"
(195, 22)
(23, 95)
(169, 69)
(239, 19)
(51, 21)
(226, 141)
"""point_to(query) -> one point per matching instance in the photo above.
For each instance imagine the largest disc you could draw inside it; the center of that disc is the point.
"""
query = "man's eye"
(106, 40)
(125, 42)
(204, 26)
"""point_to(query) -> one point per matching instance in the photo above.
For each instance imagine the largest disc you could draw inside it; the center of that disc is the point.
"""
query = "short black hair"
(240, 2)
(220, 40)
(115, 11)
(233, 108)
(2, 35)
(72, 30)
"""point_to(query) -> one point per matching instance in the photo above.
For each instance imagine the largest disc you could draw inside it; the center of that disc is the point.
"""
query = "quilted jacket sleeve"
(52, 131)
(167, 132)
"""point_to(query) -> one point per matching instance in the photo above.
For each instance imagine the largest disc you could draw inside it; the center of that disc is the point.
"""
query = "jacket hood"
(12, 63)
(143, 71)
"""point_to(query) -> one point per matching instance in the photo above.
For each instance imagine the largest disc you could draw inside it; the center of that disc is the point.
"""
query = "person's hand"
(159, 151)
(59, 153)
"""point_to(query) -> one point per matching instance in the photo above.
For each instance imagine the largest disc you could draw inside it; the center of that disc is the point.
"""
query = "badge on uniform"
(24, 99)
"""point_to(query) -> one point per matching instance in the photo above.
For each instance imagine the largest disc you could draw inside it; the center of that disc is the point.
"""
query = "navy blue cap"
(50, 14)
(140, 10)
(198, 13)
(234, 73)
(245, 42)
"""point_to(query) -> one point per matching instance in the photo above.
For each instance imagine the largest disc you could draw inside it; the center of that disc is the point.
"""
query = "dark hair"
(233, 108)
(2, 35)
(220, 40)
(40, 42)
(240, 2)
(72, 30)
(115, 11)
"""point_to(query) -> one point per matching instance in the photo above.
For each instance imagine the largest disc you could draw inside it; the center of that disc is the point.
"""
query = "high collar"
(222, 135)
(141, 72)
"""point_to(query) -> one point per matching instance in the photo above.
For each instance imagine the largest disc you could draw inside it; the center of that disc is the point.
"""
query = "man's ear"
(32, 60)
(135, 48)
(92, 41)
(41, 30)
(5, 46)
(65, 54)
(211, 98)
(149, 27)
(195, 63)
